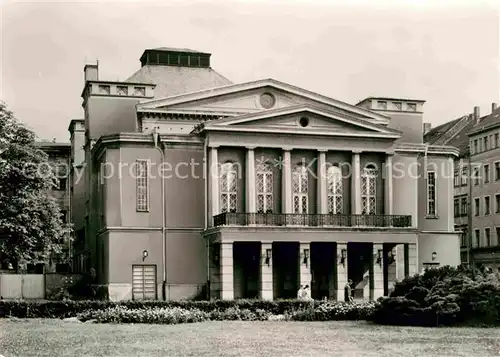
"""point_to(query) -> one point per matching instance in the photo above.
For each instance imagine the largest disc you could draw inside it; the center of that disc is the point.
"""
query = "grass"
(270, 339)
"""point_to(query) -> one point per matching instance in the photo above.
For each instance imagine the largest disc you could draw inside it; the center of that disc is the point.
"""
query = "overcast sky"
(447, 55)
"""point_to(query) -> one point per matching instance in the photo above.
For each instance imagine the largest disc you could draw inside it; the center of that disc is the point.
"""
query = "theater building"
(194, 185)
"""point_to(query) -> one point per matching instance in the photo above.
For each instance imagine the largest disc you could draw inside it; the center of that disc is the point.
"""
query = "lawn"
(243, 339)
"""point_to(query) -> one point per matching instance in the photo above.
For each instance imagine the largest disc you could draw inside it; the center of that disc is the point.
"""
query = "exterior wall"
(443, 221)
(446, 246)
(186, 252)
(405, 187)
(109, 115)
(486, 189)
(410, 124)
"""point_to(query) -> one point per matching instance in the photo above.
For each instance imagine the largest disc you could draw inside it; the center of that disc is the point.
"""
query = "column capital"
(357, 151)
(322, 150)
(390, 153)
(213, 146)
(287, 149)
(251, 147)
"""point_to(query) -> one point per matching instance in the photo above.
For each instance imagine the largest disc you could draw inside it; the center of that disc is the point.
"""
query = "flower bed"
(173, 312)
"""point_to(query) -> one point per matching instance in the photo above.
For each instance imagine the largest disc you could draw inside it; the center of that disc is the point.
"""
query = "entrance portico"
(275, 270)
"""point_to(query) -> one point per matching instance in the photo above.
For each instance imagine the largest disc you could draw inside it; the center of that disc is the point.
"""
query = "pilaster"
(400, 262)
(226, 276)
(266, 272)
(412, 259)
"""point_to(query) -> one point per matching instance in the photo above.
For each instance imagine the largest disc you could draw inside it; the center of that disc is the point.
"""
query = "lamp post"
(163, 230)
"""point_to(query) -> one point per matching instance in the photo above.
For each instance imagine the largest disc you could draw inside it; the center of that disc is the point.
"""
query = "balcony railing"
(311, 220)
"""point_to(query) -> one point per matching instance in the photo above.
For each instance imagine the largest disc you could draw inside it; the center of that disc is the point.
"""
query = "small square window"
(412, 107)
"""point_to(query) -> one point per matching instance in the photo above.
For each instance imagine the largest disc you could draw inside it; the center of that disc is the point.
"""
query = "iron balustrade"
(311, 220)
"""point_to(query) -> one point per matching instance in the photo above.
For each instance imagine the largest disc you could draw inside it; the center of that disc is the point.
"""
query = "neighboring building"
(485, 158)
(480, 245)
(257, 196)
(59, 157)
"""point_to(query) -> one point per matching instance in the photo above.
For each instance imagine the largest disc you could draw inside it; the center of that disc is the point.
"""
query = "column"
(322, 184)
(214, 181)
(412, 259)
(250, 181)
(286, 183)
(341, 271)
(356, 183)
(305, 264)
(226, 271)
(266, 272)
(388, 190)
(377, 281)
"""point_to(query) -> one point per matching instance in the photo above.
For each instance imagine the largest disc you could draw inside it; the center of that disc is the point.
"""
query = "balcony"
(311, 220)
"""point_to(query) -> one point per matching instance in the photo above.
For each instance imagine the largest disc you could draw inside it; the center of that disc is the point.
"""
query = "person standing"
(300, 293)
(348, 291)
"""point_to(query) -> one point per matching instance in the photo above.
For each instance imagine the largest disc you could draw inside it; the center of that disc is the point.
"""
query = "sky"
(446, 53)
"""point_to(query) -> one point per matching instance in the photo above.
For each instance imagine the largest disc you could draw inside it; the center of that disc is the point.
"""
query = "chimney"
(477, 114)
(427, 127)
(494, 107)
(91, 72)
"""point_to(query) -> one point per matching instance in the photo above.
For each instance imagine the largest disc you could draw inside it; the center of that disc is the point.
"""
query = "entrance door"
(144, 282)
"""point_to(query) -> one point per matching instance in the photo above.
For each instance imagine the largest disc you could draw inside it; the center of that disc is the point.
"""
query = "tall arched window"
(228, 188)
(300, 183)
(264, 177)
(369, 190)
(334, 187)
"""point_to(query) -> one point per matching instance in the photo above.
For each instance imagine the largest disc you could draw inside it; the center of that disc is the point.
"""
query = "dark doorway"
(359, 258)
(323, 260)
(246, 267)
(286, 270)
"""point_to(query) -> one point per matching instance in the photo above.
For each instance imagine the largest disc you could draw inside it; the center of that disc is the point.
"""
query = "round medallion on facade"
(303, 122)
(267, 100)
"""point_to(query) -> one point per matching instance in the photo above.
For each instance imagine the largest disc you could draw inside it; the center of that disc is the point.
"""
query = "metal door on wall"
(144, 282)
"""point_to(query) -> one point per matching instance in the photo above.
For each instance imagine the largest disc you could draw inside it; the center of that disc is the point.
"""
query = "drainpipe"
(163, 230)
(469, 216)
(205, 184)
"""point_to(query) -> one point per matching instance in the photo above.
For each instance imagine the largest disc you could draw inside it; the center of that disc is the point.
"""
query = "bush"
(442, 297)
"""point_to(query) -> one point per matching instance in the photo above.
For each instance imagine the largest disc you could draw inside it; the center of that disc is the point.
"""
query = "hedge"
(187, 311)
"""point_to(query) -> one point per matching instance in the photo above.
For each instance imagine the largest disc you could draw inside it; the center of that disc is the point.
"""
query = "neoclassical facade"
(250, 190)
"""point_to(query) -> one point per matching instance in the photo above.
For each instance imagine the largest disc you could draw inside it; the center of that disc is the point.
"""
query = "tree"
(30, 219)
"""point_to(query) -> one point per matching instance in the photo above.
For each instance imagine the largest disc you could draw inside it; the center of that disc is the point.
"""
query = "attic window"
(139, 91)
(397, 105)
(122, 90)
(104, 89)
(303, 122)
(382, 104)
(412, 107)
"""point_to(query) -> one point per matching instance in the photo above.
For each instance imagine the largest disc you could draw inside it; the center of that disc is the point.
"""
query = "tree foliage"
(30, 219)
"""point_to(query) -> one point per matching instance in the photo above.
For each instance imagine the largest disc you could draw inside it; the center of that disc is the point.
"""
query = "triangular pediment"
(254, 97)
(301, 119)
